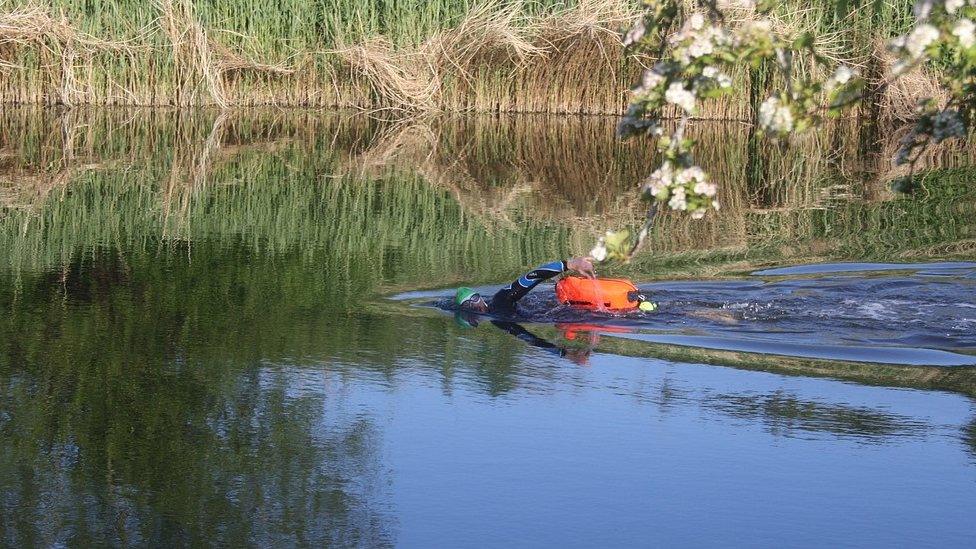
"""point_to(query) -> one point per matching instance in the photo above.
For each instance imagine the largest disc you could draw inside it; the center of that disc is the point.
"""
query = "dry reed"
(501, 56)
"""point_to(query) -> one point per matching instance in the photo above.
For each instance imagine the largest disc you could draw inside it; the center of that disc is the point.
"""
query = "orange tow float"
(608, 294)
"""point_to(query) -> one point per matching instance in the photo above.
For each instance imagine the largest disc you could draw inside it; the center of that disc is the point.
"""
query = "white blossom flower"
(698, 214)
(635, 33)
(660, 179)
(696, 21)
(716, 205)
(678, 95)
(757, 27)
(722, 79)
(700, 47)
(774, 117)
(899, 67)
(705, 188)
(920, 38)
(695, 41)
(952, 6)
(922, 9)
(843, 74)
(687, 175)
(599, 252)
(650, 80)
(965, 31)
(898, 42)
(678, 201)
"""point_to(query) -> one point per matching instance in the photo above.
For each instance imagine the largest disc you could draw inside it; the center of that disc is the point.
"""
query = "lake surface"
(224, 330)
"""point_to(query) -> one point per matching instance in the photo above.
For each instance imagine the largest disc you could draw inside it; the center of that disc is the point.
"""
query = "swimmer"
(505, 300)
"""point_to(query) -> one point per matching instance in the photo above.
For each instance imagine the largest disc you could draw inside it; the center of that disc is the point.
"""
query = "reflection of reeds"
(193, 175)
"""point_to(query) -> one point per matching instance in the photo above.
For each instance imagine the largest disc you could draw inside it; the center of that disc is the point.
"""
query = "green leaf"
(618, 244)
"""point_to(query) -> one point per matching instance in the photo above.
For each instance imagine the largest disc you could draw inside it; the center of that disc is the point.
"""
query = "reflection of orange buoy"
(570, 330)
(611, 294)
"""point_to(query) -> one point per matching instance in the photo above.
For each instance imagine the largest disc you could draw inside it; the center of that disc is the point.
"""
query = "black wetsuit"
(505, 299)
(521, 333)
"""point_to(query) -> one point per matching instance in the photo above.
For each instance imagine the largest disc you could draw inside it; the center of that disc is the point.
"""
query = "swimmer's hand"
(582, 265)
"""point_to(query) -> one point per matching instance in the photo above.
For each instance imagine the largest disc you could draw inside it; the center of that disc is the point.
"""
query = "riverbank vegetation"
(495, 55)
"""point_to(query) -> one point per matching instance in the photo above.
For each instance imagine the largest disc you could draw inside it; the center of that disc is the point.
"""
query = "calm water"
(220, 330)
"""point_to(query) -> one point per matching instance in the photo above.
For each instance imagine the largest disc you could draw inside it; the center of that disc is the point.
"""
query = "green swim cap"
(463, 294)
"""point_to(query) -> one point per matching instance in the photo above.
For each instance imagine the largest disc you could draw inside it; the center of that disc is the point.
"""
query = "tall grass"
(495, 55)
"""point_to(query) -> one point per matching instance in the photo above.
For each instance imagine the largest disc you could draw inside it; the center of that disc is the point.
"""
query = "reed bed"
(405, 57)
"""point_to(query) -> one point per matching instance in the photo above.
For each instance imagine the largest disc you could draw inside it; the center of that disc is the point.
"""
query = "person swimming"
(505, 300)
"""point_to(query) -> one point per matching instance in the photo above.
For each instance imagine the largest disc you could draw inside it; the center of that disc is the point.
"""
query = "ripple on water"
(885, 313)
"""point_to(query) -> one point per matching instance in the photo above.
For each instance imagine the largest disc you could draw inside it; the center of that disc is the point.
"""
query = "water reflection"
(785, 414)
(196, 396)
(134, 450)
(194, 346)
(122, 177)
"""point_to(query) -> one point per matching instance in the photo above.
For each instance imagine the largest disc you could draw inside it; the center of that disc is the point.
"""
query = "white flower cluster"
(753, 30)
(914, 45)
(841, 76)
(660, 180)
(678, 185)
(599, 252)
(697, 39)
(952, 6)
(922, 9)
(775, 117)
(651, 79)
(920, 38)
(678, 95)
(965, 31)
(720, 78)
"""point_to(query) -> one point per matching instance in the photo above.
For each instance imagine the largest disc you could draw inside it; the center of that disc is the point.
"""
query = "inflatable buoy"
(612, 294)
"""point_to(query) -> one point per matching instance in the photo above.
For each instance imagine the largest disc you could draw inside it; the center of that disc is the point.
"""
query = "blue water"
(147, 416)
(622, 452)
(634, 452)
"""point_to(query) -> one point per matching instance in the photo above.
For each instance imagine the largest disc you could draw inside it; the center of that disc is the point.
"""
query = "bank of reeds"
(488, 56)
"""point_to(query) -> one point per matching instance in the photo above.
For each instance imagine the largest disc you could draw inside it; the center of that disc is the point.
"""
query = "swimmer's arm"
(517, 290)
(528, 337)
(506, 298)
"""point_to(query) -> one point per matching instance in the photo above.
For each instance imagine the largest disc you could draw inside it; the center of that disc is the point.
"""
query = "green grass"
(578, 75)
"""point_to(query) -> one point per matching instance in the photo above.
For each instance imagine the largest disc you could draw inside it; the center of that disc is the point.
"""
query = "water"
(220, 331)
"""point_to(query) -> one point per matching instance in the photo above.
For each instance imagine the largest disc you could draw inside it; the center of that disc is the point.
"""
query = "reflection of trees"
(969, 437)
(789, 415)
(124, 421)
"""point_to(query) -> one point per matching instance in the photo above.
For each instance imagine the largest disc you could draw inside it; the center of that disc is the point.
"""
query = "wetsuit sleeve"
(506, 298)
(528, 337)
